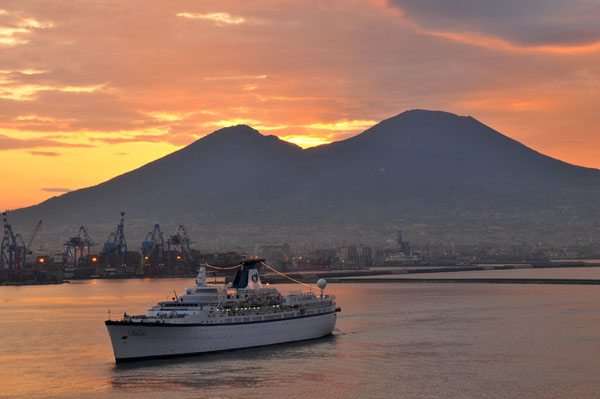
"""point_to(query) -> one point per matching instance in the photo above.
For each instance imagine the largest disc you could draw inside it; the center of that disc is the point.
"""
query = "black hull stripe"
(154, 324)
(154, 357)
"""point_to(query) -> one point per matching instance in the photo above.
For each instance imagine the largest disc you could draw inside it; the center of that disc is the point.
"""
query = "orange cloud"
(168, 116)
(219, 18)
(495, 43)
(517, 26)
(17, 29)
(123, 91)
(241, 77)
(252, 122)
(305, 141)
(9, 143)
(343, 125)
(500, 102)
(13, 88)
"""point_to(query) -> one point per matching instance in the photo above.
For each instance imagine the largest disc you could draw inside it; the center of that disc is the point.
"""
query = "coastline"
(388, 275)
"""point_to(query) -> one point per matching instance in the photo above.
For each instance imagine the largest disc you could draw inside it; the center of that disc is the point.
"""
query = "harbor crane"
(78, 248)
(12, 250)
(178, 247)
(116, 245)
(30, 242)
(152, 249)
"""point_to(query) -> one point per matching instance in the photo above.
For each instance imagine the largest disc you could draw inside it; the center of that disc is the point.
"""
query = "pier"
(394, 275)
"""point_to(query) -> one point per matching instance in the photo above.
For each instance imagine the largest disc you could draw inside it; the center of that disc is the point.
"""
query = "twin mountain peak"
(418, 162)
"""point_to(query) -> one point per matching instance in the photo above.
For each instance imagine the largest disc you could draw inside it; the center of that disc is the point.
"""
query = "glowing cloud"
(499, 102)
(34, 118)
(8, 36)
(29, 122)
(306, 141)
(236, 77)
(219, 18)
(494, 43)
(12, 34)
(23, 71)
(342, 125)
(29, 92)
(8, 143)
(514, 25)
(232, 122)
(167, 116)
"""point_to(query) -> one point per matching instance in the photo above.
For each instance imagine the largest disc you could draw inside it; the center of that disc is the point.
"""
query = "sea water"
(392, 341)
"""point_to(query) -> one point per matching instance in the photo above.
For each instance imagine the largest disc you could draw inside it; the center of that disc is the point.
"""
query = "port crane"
(179, 239)
(12, 249)
(116, 245)
(152, 249)
(30, 242)
(78, 248)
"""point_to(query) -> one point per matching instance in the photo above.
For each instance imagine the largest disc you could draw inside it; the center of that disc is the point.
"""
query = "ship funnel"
(247, 276)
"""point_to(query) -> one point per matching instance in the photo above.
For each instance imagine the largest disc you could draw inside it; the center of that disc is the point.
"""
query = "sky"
(92, 89)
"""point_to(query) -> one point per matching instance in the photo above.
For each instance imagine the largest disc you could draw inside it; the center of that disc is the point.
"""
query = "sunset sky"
(92, 89)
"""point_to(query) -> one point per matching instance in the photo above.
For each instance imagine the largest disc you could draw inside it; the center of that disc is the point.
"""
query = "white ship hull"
(135, 341)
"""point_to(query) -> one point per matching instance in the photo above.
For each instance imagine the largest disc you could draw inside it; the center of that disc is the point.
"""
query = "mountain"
(426, 158)
(450, 173)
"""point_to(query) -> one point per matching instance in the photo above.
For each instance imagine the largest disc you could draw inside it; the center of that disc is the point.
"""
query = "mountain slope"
(207, 173)
(419, 163)
(431, 157)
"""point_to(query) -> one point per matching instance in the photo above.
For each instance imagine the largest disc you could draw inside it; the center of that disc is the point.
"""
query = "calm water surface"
(394, 341)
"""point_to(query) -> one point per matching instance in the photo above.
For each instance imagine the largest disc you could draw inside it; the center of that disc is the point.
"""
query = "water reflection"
(252, 368)
(288, 351)
(394, 340)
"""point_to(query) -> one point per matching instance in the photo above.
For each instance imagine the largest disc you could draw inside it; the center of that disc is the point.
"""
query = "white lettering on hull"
(134, 342)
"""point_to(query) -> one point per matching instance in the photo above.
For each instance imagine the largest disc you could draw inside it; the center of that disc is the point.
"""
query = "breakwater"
(394, 275)
(467, 280)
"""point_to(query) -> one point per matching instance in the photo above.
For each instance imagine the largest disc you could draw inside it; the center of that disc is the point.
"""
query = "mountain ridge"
(417, 162)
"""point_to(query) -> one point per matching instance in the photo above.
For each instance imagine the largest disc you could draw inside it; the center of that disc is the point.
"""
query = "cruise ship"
(206, 318)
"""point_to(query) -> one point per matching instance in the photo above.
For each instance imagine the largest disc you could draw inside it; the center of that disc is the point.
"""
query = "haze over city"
(89, 91)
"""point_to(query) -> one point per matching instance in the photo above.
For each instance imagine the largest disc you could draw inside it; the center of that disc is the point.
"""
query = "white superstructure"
(209, 318)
